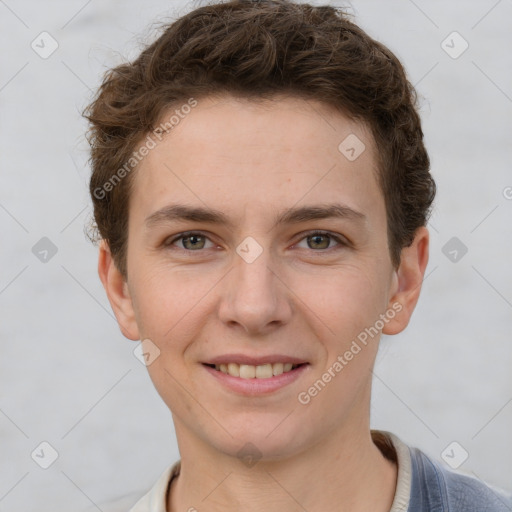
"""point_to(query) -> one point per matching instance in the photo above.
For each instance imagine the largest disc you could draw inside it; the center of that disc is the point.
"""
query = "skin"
(303, 296)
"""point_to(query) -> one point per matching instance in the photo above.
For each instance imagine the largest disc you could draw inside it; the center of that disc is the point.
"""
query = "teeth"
(264, 371)
(233, 369)
(277, 368)
(248, 371)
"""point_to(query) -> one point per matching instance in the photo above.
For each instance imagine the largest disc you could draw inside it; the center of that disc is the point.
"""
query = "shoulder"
(436, 488)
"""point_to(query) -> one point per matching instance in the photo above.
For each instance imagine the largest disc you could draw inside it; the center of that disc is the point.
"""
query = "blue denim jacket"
(436, 489)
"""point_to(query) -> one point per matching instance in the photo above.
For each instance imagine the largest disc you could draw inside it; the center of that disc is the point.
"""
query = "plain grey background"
(69, 378)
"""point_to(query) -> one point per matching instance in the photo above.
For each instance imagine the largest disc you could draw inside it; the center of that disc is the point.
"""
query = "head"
(287, 140)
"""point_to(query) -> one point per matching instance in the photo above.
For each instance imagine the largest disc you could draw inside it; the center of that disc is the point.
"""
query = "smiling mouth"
(248, 371)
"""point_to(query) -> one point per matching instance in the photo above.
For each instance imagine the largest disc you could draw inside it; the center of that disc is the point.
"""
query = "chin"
(261, 440)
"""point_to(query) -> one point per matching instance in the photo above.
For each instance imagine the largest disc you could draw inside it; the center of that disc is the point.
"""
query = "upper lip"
(254, 361)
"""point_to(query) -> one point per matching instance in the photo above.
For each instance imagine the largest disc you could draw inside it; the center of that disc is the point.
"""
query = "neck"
(344, 472)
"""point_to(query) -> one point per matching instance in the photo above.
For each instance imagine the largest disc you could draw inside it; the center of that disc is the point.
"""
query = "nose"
(255, 297)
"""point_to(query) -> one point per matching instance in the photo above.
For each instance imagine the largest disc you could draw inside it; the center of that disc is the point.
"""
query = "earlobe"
(118, 293)
(407, 283)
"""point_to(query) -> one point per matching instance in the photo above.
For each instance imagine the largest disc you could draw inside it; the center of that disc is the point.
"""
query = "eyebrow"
(294, 215)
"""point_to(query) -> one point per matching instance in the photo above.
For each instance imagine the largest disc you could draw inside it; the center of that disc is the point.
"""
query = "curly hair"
(257, 50)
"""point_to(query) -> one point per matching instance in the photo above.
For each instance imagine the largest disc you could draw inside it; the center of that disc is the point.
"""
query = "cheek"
(348, 300)
(169, 303)
(349, 303)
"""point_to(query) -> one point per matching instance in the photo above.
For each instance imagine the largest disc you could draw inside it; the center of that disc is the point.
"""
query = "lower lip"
(257, 386)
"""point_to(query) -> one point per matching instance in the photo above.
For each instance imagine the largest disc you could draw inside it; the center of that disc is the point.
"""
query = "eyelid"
(341, 240)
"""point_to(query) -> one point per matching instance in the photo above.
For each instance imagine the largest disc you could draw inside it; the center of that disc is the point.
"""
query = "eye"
(321, 240)
(191, 241)
(194, 241)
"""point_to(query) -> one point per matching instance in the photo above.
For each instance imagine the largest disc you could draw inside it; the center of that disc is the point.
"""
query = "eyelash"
(341, 242)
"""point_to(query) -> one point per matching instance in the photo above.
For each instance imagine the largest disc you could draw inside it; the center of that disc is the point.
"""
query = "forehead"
(236, 154)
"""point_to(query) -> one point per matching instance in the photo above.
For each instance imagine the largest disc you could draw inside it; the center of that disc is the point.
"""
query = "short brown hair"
(257, 50)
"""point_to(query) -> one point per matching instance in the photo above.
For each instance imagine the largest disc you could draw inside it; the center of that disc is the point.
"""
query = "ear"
(117, 292)
(407, 281)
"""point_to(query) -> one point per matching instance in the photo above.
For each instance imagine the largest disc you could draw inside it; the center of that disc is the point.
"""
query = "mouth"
(249, 371)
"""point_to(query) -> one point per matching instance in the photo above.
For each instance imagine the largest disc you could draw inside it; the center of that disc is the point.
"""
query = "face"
(256, 244)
